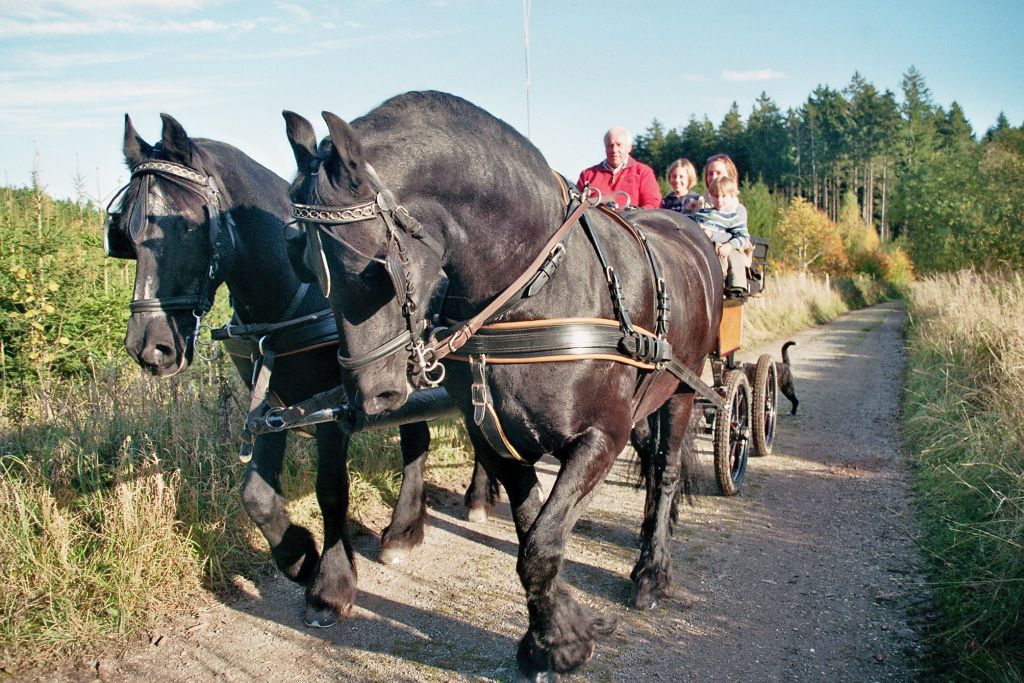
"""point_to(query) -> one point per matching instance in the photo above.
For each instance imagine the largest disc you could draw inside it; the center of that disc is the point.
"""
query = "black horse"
(197, 213)
(472, 196)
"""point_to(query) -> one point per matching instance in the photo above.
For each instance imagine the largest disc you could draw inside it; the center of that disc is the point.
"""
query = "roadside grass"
(791, 302)
(119, 503)
(119, 494)
(964, 427)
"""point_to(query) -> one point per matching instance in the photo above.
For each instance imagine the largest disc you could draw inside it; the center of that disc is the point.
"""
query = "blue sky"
(70, 69)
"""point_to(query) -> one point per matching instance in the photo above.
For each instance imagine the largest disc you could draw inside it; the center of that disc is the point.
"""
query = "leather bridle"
(400, 226)
(118, 243)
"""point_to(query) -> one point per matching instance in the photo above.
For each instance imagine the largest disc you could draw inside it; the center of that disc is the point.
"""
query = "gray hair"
(616, 129)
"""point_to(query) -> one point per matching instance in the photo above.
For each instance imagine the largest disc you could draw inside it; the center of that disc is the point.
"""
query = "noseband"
(119, 244)
(398, 222)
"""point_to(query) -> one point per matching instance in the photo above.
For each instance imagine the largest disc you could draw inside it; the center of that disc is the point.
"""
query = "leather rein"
(518, 342)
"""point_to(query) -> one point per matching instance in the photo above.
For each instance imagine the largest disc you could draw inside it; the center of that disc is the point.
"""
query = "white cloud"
(51, 9)
(21, 96)
(296, 10)
(43, 61)
(84, 27)
(758, 75)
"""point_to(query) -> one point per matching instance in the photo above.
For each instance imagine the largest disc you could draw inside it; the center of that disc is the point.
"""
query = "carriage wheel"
(766, 405)
(732, 434)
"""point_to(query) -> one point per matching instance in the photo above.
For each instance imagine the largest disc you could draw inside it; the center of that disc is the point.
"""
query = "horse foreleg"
(562, 631)
(663, 470)
(332, 590)
(406, 529)
(291, 546)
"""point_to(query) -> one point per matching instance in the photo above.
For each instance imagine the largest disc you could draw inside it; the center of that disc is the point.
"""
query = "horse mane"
(444, 112)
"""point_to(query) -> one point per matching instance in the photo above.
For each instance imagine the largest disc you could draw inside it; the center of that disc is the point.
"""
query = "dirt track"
(809, 574)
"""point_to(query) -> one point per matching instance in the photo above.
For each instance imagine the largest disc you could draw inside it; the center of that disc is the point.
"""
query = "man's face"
(617, 148)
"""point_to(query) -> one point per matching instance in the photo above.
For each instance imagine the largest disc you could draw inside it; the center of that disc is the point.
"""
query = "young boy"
(725, 223)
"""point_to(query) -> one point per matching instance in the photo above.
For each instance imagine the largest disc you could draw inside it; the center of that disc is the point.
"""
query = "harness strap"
(484, 415)
(258, 403)
(441, 347)
(611, 278)
(322, 407)
(572, 339)
(660, 290)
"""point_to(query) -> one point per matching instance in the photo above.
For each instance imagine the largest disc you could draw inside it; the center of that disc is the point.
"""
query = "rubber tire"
(766, 405)
(732, 434)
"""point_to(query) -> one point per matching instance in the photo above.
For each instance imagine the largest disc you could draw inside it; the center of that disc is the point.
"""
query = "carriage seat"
(757, 266)
(757, 269)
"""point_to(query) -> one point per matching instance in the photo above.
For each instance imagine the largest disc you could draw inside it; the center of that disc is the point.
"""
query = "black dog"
(784, 374)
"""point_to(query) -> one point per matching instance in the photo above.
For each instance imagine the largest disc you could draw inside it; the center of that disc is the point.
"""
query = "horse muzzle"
(380, 399)
(156, 344)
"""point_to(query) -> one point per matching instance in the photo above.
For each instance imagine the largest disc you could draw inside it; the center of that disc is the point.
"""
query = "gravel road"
(810, 574)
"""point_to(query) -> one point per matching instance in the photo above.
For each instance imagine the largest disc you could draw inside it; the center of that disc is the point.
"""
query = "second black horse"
(198, 213)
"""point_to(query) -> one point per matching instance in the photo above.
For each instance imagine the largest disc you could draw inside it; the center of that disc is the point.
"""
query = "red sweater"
(636, 179)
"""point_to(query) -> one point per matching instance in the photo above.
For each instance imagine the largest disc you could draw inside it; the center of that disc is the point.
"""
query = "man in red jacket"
(620, 172)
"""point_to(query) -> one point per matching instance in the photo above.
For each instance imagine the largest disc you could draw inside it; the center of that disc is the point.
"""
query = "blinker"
(116, 244)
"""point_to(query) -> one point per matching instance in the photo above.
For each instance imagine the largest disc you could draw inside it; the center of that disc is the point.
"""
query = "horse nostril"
(388, 400)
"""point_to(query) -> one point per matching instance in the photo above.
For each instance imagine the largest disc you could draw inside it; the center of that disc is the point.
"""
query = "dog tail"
(785, 351)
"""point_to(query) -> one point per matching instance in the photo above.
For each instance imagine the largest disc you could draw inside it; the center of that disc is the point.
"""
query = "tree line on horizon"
(917, 171)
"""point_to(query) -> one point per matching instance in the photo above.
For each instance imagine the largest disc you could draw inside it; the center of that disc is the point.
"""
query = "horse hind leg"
(292, 546)
(562, 632)
(405, 531)
(671, 464)
(332, 590)
(482, 494)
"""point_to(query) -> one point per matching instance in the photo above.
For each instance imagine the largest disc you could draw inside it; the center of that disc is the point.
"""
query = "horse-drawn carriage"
(379, 262)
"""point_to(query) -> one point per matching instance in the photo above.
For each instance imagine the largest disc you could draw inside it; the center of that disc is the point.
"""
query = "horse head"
(170, 221)
(372, 260)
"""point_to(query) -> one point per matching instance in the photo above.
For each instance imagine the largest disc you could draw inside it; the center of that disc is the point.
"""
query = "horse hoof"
(476, 515)
(393, 555)
(539, 677)
(320, 618)
(642, 600)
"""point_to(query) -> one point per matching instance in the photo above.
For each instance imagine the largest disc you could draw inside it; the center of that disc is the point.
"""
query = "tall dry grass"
(119, 501)
(791, 302)
(964, 424)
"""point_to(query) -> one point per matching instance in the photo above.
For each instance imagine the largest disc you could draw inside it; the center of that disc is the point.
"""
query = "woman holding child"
(721, 216)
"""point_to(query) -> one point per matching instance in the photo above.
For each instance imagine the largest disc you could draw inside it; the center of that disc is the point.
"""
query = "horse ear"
(136, 150)
(175, 141)
(302, 139)
(348, 153)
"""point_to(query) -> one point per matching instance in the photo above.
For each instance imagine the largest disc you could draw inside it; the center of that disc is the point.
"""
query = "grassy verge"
(964, 425)
(119, 501)
(790, 303)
